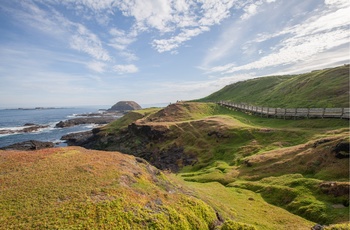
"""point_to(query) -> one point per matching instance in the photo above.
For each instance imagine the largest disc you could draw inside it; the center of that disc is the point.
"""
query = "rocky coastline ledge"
(99, 119)
(29, 145)
(27, 128)
(86, 120)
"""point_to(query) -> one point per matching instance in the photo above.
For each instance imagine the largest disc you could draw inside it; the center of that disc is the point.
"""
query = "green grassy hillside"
(206, 143)
(321, 88)
(75, 188)
(233, 171)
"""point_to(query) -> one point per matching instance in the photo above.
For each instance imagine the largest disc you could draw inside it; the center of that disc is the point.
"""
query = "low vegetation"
(222, 169)
(317, 89)
(75, 188)
(284, 162)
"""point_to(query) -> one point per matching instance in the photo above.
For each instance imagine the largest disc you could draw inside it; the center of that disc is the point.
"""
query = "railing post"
(324, 110)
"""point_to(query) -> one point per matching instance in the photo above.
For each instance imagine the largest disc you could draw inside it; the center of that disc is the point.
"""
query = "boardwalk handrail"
(342, 113)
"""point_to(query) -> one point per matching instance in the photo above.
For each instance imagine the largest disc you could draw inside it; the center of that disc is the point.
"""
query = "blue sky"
(98, 52)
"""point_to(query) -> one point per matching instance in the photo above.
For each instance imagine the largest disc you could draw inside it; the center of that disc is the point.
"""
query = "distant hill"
(319, 88)
(125, 106)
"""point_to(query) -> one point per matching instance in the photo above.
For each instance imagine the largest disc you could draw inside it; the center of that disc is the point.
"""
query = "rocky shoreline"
(71, 139)
(85, 120)
(29, 145)
(78, 138)
(27, 128)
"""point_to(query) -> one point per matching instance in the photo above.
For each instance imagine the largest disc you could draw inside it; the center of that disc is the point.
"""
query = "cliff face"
(138, 140)
(125, 106)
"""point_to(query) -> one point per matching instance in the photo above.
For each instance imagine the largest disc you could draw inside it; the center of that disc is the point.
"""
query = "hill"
(206, 143)
(318, 89)
(232, 171)
(75, 188)
(125, 106)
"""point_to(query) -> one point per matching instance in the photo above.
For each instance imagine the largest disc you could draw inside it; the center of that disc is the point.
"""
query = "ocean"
(14, 119)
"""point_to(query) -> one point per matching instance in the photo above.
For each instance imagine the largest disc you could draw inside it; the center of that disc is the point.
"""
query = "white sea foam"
(13, 128)
(72, 116)
(91, 126)
(7, 134)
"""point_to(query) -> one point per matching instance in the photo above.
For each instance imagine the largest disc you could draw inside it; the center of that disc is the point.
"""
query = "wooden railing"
(343, 113)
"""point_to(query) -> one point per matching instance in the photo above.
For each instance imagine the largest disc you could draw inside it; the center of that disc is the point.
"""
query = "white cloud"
(58, 27)
(189, 90)
(175, 21)
(297, 50)
(163, 45)
(88, 42)
(250, 11)
(97, 66)
(120, 41)
(337, 3)
(148, 13)
(128, 56)
(325, 29)
(182, 19)
(124, 69)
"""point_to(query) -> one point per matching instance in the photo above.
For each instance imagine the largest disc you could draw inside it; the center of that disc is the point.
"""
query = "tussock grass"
(74, 188)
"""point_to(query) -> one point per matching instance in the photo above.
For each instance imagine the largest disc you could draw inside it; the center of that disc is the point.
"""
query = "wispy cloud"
(97, 66)
(58, 27)
(122, 69)
(163, 45)
(88, 42)
(252, 9)
(189, 89)
(173, 19)
(120, 40)
(322, 31)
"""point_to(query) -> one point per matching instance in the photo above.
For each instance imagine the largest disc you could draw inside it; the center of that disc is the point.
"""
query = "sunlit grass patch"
(75, 188)
(298, 195)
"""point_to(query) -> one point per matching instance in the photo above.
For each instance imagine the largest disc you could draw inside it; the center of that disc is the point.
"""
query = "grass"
(74, 188)
(244, 206)
(252, 153)
(283, 178)
(322, 88)
(299, 195)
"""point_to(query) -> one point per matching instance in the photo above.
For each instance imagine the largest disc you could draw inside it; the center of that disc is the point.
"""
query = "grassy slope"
(246, 206)
(75, 188)
(85, 186)
(322, 88)
(242, 137)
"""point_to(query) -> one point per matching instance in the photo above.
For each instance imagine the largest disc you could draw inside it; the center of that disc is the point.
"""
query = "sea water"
(15, 119)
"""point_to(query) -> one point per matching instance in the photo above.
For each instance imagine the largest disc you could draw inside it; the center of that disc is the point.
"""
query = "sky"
(99, 52)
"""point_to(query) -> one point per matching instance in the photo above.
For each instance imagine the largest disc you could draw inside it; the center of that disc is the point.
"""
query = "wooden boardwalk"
(342, 113)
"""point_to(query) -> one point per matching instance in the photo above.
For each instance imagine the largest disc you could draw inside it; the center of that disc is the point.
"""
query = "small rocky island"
(118, 109)
(123, 106)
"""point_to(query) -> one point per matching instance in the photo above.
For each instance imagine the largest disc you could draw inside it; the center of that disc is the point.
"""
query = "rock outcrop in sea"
(29, 145)
(125, 106)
